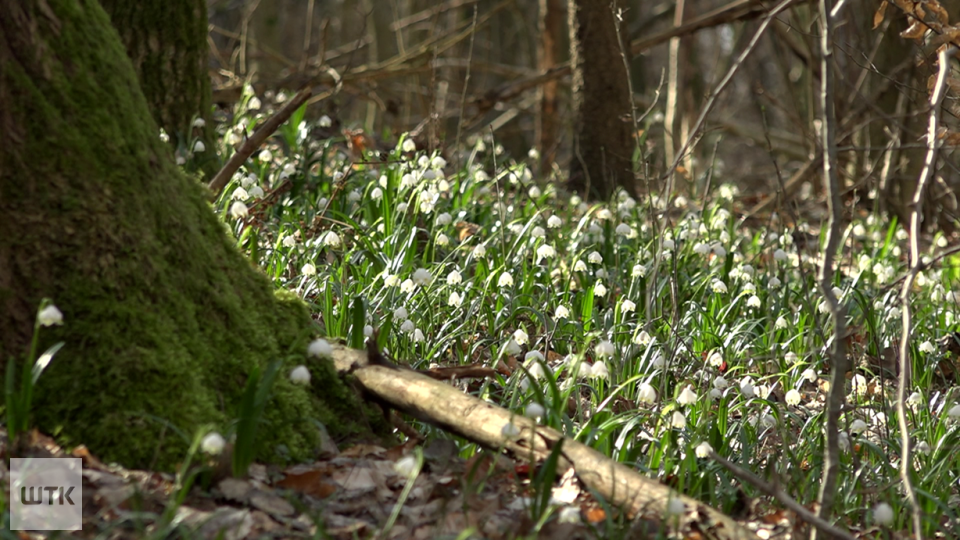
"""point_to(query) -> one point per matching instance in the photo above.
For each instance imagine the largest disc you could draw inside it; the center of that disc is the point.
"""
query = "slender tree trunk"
(163, 317)
(602, 143)
(167, 42)
(548, 56)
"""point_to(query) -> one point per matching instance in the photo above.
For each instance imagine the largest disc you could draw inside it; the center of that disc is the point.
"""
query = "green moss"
(163, 316)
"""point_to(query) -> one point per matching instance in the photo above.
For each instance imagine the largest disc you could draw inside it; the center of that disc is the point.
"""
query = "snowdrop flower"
(438, 162)
(753, 301)
(627, 306)
(238, 210)
(455, 300)
(406, 466)
(368, 331)
(678, 420)
(579, 266)
(510, 431)
(768, 421)
(605, 349)
(719, 250)
(213, 443)
(418, 335)
(407, 286)
(480, 251)
(810, 375)
(50, 316)
(858, 426)
(747, 388)
(668, 244)
(256, 192)
(638, 270)
(883, 514)
(265, 155)
(601, 273)
(626, 231)
(520, 336)
(927, 347)
(199, 122)
(443, 240)
(791, 358)
(914, 400)
(400, 313)
(534, 411)
(599, 289)
(703, 450)
(199, 147)
(454, 278)
(793, 397)
(535, 192)
(422, 276)
(308, 270)
(595, 258)
(331, 239)
(506, 280)
(562, 312)
(843, 441)
(300, 375)
(444, 219)
(701, 248)
(239, 194)
(599, 370)
(718, 286)
(319, 348)
(646, 394)
(954, 412)
(408, 145)
(924, 447)
(687, 396)
(781, 323)
(545, 251)
(643, 338)
(324, 121)
(604, 214)
(779, 255)
(533, 357)
(376, 194)
(408, 327)
(774, 283)
(554, 222)
(512, 348)
(715, 359)
(657, 361)
(748, 286)
(538, 232)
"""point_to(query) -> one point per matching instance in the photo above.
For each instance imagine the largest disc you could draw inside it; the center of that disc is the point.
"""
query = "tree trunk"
(602, 143)
(548, 54)
(163, 317)
(167, 42)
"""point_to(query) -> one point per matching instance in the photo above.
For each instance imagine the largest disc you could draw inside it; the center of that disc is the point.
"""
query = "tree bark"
(602, 143)
(548, 56)
(163, 317)
(167, 42)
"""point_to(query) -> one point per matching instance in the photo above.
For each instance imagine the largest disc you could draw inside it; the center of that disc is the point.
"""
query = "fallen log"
(479, 421)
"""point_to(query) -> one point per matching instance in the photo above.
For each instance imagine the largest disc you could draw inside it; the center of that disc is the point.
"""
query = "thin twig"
(254, 141)
(778, 494)
(838, 354)
(916, 214)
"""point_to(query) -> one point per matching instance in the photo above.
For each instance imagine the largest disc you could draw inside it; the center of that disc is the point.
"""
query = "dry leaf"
(916, 31)
(879, 14)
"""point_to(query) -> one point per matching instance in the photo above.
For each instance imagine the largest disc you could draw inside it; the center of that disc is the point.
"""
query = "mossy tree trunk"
(164, 318)
(167, 42)
(602, 140)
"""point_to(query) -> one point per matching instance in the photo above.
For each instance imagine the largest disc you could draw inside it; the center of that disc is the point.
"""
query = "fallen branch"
(479, 421)
(251, 145)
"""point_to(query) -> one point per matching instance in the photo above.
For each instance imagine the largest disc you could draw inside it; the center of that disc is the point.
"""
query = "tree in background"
(164, 317)
(602, 140)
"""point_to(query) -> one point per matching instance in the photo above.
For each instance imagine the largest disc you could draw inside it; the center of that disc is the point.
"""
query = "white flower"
(331, 239)
(455, 299)
(883, 514)
(638, 270)
(687, 396)
(843, 441)
(894, 313)
(422, 276)
(480, 251)
(646, 393)
(599, 289)
(781, 323)
(368, 331)
(512, 348)
(520, 336)
(213, 443)
(444, 219)
(545, 252)
(199, 122)
(627, 306)
(924, 447)
(810, 375)
(418, 335)
(256, 192)
(300, 375)
(408, 145)
(701, 248)
(604, 214)
(720, 383)
(401, 314)
(319, 348)
(376, 194)
(438, 163)
(599, 370)
(538, 232)
(579, 266)
(510, 431)
(605, 349)
(238, 210)
(554, 222)
(703, 450)
(643, 338)
(443, 240)
(858, 426)
(408, 327)
(562, 312)
(718, 286)
(308, 270)
(265, 155)
(406, 466)
(954, 412)
(678, 420)
(914, 400)
(50, 316)
(199, 147)
(774, 282)
(715, 359)
(533, 356)
(793, 397)
(927, 347)
(791, 358)
(626, 231)
(534, 410)
(506, 280)
(454, 278)
(747, 388)
(239, 194)
(768, 421)
(753, 301)
(668, 244)
(779, 255)
(570, 514)
(676, 507)
(325, 121)
(595, 258)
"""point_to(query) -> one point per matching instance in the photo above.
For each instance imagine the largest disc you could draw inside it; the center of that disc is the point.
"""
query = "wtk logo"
(46, 494)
